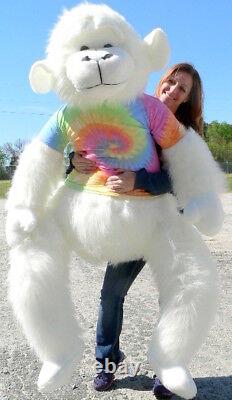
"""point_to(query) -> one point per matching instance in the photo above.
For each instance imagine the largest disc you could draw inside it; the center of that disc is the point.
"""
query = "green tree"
(219, 132)
(12, 152)
(219, 138)
(3, 173)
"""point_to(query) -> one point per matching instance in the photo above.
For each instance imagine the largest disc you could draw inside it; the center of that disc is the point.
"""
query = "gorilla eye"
(108, 45)
(84, 48)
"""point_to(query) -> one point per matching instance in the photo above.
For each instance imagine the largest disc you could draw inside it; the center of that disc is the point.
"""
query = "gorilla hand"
(21, 221)
(206, 213)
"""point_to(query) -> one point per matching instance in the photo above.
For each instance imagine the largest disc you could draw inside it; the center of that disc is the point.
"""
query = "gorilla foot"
(179, 381)
(53, 374)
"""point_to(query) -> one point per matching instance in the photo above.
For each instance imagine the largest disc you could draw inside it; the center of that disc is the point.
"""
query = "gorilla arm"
(197, 182)
(39, 170)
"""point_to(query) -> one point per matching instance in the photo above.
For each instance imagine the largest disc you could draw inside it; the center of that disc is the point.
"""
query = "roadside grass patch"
(4, 186)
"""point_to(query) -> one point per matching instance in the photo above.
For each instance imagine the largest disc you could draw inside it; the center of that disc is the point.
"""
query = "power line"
(24, 113)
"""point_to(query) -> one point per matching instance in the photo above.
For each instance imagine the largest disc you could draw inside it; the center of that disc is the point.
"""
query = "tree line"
(218, 136)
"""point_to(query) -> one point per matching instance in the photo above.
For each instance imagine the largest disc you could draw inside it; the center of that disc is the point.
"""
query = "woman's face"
(176, 89)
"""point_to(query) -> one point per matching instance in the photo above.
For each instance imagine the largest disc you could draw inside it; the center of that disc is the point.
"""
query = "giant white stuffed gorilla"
(99, 66)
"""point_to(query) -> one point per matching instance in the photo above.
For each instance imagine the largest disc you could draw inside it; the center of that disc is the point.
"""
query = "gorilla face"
(98, 65)
(94, 55)
(106, 69)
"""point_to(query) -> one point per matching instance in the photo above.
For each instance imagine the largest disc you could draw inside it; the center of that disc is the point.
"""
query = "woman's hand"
(82, 164)
(122, 182)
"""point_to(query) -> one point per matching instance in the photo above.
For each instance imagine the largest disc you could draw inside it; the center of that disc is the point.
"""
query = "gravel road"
(211, 368)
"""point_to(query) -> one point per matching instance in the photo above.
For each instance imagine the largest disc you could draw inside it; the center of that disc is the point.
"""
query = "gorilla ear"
(41, 77)
(158, 47)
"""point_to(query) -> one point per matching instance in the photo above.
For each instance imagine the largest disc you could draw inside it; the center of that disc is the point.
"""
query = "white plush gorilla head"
(94, 55)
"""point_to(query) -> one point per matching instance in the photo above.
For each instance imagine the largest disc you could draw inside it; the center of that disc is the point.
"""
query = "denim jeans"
(118, 279)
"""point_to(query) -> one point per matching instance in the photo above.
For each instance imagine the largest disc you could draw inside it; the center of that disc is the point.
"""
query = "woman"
(180, 90)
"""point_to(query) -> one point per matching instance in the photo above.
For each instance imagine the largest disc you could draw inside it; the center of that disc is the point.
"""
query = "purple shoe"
(103, 381)
(159, 390)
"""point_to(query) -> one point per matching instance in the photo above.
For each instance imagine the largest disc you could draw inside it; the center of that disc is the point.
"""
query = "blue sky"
(199, 31)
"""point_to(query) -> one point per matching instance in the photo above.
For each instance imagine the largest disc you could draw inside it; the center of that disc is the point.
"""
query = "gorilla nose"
(108, 55)
(86, 58)
(105, 57)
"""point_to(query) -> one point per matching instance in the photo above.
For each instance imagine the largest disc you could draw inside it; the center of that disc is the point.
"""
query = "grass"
(4, 186)
(229, 178)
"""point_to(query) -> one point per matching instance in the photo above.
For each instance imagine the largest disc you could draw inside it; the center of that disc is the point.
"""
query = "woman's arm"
(155, 183)
(124, 181)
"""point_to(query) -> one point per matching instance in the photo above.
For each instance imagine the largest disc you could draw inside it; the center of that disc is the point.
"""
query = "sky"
(199, 31)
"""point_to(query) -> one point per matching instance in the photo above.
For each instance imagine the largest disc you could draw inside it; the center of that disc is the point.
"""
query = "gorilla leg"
(186, 278)
(40, 296)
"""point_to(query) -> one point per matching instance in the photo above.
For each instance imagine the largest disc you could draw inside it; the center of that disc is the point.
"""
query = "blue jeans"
(118, 279)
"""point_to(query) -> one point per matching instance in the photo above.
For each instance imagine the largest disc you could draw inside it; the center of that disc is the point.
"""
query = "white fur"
(187, 292)
(158, 45)
(32, 184)
(185, 277)
(47, 220)
(179, 381)
(94, 26)
(197, 182)
(34, 181)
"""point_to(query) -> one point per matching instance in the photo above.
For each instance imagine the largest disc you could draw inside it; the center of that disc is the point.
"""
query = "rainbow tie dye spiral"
(111, 137)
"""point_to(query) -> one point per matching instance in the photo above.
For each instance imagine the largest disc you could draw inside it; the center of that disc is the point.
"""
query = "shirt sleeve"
(153, 182)
(164, 126)
(52, 135)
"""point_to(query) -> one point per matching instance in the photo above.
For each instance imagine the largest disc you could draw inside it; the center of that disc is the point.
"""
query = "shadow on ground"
(139, 382)
(214, 388)
(209, 388)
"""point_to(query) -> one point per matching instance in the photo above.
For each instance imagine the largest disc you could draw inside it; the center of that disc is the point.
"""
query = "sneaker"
(159, 390)
(103, 381)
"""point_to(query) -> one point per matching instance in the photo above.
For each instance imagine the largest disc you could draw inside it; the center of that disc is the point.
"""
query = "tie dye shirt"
(113, 136)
